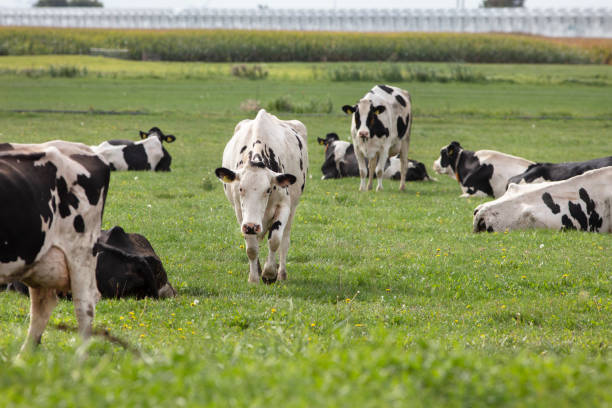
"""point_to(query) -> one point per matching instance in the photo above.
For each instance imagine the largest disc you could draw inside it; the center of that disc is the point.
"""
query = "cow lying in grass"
(340, 161)
(53, 197)
(583, 202)
(481, 173)
(539, 172)
(264, 174)
(146, 154)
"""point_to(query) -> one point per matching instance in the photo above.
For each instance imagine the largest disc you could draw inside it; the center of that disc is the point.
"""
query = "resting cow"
(582, 202)
(481, 173)
(380, 128)
(146, 154)
(539, 172)
(264, 174)
(340, 161)
(53, 198)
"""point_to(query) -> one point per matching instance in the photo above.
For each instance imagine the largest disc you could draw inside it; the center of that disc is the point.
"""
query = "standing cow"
(380, 128)
(482, 173)
(146, 154)
(264, 174)
(53, 198)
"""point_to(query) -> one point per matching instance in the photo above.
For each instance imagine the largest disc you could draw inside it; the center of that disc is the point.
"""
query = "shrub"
(250, 72)
(285, 104)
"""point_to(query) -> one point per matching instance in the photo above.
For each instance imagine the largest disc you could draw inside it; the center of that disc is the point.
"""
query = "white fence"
(548, 22)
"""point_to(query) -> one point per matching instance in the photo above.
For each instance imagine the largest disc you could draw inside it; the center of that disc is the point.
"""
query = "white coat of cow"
(582, 202)
(380, 128)
(264, 173)
(53, 198)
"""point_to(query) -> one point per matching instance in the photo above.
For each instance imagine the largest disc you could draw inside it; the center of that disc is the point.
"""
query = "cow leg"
(363, 169)
(252, 250)
(84, 289)
(380, 168)
(274, 240)
(42, 303)
(403, 156)
(284, 248)
(371, 170)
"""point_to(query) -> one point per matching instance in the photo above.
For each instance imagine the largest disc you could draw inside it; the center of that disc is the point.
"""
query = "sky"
(321, 4)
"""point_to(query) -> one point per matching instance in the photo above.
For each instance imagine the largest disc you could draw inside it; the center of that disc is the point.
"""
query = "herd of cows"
(53, 197)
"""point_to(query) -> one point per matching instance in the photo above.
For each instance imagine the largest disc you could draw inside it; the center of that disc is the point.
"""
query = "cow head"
(329, 139)
(155, 131)
(446, 163)
(366, 121)
(254, 184)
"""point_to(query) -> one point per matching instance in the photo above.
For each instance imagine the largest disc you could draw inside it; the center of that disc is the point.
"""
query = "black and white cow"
(264, 173)
(53, 197)
(146, 154)
(481, 173)
(380, 128)
(340, 161)
(538, 172)
(583, 202)
(127, 266)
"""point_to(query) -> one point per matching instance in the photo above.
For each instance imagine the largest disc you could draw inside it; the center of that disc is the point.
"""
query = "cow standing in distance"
(380, 128)
(264, 173)
(539, 172)
(340, 161)
(482, 173)
(583, 202)
(53, 197)
(146, 154)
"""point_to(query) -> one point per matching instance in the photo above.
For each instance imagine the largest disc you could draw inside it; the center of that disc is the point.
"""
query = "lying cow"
(264, 174)
(127, 266)
(583, 202)
(146, 154)
(481, 173)
(53, 198)
(380, 128)
(539, 172)
(340, 161)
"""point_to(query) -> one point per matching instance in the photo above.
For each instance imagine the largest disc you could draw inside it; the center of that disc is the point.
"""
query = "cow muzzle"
(251, 228)
(363, 135)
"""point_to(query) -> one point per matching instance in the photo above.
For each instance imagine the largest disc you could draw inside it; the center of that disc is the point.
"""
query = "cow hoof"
(282, 276)
(268, 281)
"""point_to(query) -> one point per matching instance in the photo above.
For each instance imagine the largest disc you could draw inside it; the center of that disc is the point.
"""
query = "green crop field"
(391, 300)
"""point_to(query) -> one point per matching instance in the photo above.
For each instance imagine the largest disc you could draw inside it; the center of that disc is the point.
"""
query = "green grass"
(391, 299)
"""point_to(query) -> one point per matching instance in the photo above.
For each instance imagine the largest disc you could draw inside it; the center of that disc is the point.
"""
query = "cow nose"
(363, 134)
(250, 228)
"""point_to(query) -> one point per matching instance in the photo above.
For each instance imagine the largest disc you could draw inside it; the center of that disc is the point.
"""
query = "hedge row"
(270, 46)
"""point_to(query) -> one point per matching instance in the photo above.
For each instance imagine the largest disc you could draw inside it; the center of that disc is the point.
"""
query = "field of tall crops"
(260, 46)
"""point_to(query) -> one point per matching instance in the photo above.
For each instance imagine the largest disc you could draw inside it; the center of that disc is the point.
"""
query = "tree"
(502, 3)
(68, 3)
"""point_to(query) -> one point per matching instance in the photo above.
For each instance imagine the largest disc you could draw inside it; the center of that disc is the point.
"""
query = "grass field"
(391, 300)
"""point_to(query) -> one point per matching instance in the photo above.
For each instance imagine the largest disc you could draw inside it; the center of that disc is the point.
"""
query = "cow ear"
(143, 135)
(169, 138)
(348, 109)
(226, 175)
(379, 109)
(321, 141)
(284, 180)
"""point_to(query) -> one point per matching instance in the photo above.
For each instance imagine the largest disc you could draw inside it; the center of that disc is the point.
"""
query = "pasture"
(391, 300)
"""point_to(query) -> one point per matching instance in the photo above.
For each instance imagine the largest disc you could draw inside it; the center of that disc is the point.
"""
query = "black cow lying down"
(127, 267)
(340, 161)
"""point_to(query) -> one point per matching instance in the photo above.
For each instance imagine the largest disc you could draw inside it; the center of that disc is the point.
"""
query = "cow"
(145, 154)
(539, 172)
(582, 203)
(380, 128)
(264, 173)
(340, 161)
(127, 266)
(482, 173)
(53, 197)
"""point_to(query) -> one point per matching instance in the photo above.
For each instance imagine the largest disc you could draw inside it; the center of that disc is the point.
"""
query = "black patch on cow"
(5, 147)
(482, 226)
(584, 196)
(79, 224)
(66, 198)
(270, 160)
(473, 175)
(417, 172)
(402, 126)
(303, 185)
(548, 200)
(559, 171)
(400, 100)
(328, 168)
(301, 164)
(99, 176)
(243, 149)
(136, 157)
(567, 223)
(53, 204)
(165, 162)
(375, 126)
(276, 225)
(595, 220)
(357, 119)
(299, 141)
(112, 167)
(26, 191)
(259, 164)
(579, 215)
(386, 89)
(256, 142)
